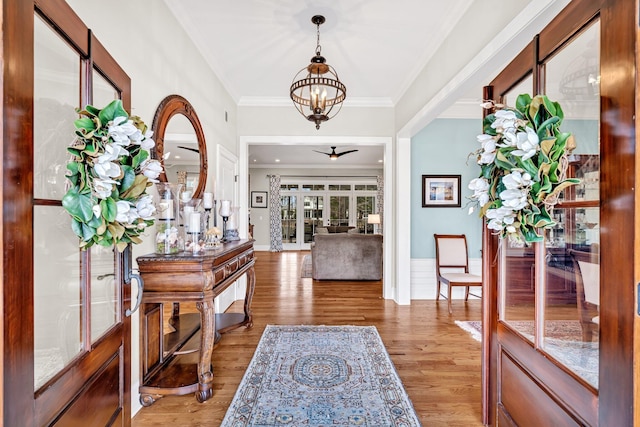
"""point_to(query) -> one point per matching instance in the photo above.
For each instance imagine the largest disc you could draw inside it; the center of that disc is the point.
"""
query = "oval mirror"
(180, 144)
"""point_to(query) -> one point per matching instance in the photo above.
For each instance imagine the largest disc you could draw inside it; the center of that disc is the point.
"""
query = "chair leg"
(466, 294)
(449, 299)
(438, 294)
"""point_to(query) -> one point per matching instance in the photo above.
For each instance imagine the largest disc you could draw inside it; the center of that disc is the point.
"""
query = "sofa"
(334, 229)
(343, 256)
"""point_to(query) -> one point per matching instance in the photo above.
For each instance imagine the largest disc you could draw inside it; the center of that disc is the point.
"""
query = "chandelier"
(317, 86)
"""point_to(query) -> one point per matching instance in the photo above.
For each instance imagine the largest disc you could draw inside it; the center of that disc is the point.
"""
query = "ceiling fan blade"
(346, 152)
(195, 150)
(322, 152)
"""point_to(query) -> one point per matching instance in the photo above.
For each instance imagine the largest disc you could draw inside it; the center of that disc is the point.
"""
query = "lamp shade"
(373, 219)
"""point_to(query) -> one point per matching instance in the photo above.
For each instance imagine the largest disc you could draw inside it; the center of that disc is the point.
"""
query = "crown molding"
(281, 101)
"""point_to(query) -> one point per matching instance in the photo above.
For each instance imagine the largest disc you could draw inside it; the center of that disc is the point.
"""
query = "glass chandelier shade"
(316, 92)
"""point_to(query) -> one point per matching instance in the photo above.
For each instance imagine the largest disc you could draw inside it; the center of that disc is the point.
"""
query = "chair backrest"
(451, 251)
(587, 269)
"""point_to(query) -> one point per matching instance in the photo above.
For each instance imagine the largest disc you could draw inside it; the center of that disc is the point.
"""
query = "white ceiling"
(377, 47)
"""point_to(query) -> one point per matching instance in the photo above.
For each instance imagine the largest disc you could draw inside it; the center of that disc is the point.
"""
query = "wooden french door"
(544, 363)
(66, 349)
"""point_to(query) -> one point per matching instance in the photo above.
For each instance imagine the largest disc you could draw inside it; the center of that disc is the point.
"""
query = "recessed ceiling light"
(176, 157)
(277, 160)
(380, 161)
(255, 160)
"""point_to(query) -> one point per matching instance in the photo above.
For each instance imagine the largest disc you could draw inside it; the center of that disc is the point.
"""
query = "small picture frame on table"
(441, 191)
(259, 199)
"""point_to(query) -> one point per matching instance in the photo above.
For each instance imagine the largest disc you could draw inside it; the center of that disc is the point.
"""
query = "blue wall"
(443, 147)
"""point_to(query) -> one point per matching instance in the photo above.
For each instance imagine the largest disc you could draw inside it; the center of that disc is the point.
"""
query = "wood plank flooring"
(438, 363)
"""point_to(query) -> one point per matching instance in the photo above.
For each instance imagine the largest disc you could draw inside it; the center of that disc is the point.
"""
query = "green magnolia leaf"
(79, 205)
(87, 232)
(84, 124)
(530, 236)
(522, 102)
(111, 111)
(139, 186)
(546, 128)
(127, 180)
(561, 186)
(528, 166)
(109, 209)
(139, 158)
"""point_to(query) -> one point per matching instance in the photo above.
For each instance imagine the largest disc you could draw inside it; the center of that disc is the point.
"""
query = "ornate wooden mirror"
(180, 144)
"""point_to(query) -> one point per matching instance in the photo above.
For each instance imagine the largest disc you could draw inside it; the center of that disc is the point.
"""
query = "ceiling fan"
(195, 150)
(333, 155)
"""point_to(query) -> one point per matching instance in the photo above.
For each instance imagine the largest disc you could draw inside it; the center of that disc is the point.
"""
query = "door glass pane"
(288, 213)
(571, 318)
(104, 292)
(339, 210)
(525, 86)
(103, 91)
(313, 216)
(57, 296)
(517, 281)
(365, 205)
(56, 92)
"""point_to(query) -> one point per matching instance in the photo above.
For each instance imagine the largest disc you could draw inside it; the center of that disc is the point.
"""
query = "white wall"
(147, 42)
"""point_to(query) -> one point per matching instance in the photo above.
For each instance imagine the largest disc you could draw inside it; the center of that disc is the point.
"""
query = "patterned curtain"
(275, 220)
(380, 200)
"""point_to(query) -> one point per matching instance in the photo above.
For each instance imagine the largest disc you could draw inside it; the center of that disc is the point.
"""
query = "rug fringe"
(469, 327)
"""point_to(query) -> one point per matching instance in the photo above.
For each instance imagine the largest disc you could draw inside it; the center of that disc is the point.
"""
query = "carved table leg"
(251, 286)
(207, 330)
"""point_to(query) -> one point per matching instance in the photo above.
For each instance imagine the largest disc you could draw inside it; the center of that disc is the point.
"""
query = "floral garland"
(108, 175)
(523, 163)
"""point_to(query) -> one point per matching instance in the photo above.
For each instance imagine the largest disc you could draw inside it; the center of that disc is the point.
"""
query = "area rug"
(305, 270)
(320, 376)
(563, 341)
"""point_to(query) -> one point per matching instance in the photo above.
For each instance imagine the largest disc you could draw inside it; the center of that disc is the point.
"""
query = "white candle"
(231, 224)
(188, 210)
(194, 222)
(185, 196)
(165, 207)
(225, 207)
(207, 200)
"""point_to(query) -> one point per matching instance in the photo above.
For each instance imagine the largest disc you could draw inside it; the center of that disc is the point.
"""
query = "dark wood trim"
(617, 209)
(17, 190)
(58, 14)
(519, 69)
(571, 21)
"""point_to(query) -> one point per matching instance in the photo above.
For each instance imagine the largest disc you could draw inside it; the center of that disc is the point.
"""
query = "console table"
(186, 277)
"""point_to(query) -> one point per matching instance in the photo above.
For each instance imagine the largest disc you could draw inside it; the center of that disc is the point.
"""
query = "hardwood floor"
(438, 362)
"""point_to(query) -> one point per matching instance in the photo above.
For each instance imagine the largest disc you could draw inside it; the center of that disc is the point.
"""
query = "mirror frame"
(169, 107)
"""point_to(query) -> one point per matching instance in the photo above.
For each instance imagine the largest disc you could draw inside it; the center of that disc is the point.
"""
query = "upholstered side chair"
(587, 276)
(452, 265)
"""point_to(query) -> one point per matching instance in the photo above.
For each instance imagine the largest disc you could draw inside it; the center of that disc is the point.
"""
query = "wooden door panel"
(54, 396)
(99, 403)
(525, 402)
(561, 385)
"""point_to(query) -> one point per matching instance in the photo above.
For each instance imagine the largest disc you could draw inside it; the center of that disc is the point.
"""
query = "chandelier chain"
(318, 46)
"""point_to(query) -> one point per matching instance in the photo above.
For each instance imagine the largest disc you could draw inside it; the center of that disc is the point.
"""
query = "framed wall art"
(441, 191)
(259, 199)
